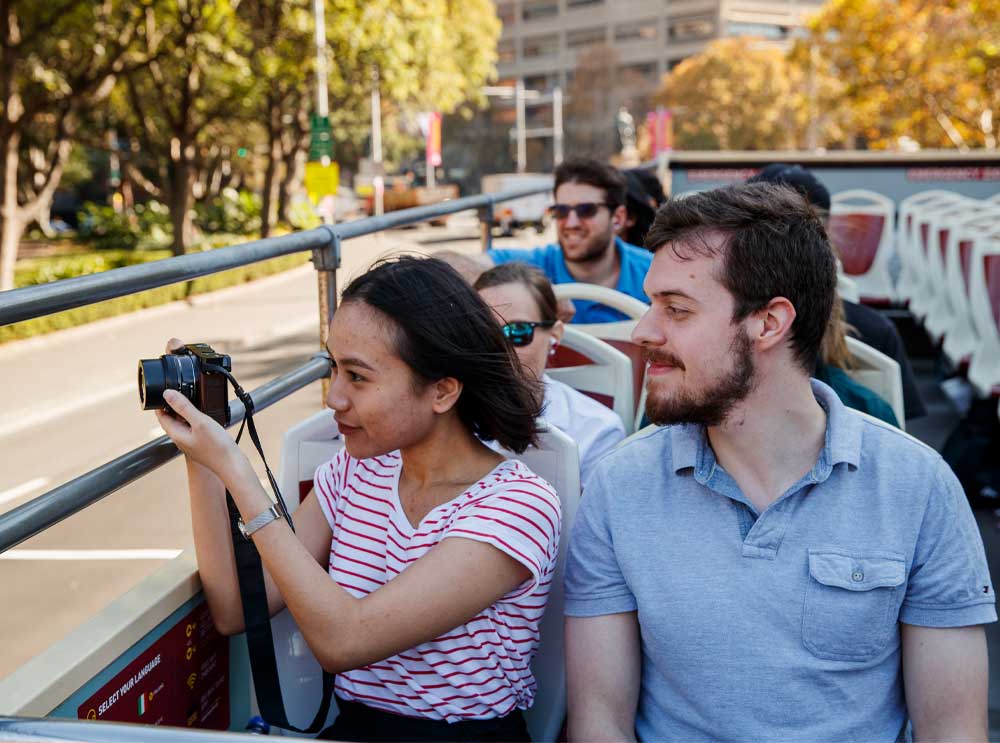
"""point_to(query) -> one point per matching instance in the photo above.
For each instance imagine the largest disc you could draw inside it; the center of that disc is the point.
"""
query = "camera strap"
(253, 596)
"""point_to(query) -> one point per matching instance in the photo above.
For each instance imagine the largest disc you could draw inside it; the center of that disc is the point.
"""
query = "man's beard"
(708, 407)
(593, 249)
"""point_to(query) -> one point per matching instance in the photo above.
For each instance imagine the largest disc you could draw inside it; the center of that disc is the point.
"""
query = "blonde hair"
(833, 350)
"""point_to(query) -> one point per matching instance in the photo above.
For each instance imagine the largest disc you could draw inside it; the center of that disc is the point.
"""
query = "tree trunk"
(270, 172)
(11, 224)
(180, 205)
(295, 143)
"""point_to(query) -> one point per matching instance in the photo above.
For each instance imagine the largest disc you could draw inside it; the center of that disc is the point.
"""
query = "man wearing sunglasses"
(589, 210)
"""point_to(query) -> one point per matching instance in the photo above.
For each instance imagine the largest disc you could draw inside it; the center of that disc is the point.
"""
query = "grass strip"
(132, 302)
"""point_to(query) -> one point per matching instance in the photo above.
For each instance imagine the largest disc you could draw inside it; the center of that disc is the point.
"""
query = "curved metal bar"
(35, 301)
(32, 730)
(59, 503)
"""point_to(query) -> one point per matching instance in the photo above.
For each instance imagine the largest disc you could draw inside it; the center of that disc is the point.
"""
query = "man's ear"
(618, 217)
(774, 323)
(446, 393)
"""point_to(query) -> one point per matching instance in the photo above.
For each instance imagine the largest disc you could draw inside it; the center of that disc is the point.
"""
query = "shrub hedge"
(42, 270)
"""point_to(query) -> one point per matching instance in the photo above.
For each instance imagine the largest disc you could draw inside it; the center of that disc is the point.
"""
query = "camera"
(189, 371)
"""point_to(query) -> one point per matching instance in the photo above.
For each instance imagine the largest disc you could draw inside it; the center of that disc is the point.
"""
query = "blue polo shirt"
(634, 265)
(783, 625)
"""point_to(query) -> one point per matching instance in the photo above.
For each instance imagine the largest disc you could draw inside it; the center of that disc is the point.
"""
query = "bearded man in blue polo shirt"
(589, 211)
(767, 564)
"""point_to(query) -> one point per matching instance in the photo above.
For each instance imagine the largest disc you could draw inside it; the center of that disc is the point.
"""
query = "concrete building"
(624, 47)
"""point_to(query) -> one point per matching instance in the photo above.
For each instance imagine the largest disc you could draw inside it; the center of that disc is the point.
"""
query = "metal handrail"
(29, 302)
(61, 502)
(51, 507)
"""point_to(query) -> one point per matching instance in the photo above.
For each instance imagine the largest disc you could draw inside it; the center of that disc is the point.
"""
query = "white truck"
(529, 211)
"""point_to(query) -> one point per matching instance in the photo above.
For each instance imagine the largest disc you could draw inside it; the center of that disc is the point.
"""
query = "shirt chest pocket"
(851, 603)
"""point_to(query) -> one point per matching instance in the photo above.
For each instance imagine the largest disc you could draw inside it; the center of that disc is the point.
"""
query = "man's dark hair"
(444, 329)
(595, 173)
(530, 277)
(803, 181)
(775, 247)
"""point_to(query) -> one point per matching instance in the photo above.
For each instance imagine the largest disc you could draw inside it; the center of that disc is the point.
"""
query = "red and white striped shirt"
(481, 669)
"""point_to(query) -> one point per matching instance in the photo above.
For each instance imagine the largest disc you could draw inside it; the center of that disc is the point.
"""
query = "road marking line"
(23, 489)
(21, 421)
(148, 554)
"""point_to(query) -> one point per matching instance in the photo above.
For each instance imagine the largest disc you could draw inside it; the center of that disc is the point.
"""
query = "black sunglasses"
(523, 333)
(586, 210)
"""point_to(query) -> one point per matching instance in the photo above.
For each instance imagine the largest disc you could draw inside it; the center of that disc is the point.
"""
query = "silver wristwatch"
(263, 519)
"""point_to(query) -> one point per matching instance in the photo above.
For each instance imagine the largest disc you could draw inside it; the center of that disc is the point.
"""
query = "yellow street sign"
(321, 180)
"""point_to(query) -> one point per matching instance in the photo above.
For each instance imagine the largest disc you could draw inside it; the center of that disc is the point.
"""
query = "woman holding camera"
(440, 550)
(523, 299)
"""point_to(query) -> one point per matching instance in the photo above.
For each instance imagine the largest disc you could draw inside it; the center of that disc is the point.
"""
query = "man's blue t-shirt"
(634, 265)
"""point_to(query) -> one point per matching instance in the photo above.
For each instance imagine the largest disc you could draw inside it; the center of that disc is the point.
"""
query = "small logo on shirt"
(986, 589)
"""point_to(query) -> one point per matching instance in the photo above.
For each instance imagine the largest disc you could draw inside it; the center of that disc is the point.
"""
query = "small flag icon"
(142, 704)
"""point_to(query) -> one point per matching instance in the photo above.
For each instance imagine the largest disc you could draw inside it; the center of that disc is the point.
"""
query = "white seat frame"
(949, 297)
(619, 331)
(876, 283)
(610, 373)
(879, 373)
(912, 211)
(984, 366)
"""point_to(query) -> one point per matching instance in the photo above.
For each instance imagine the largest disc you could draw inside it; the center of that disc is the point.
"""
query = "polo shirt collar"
(690, 448)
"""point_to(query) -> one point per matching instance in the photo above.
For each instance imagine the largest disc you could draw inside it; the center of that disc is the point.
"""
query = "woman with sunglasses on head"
(440, 551)
(523, 299)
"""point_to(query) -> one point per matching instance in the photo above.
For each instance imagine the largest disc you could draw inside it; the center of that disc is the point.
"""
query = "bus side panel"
(182, 673)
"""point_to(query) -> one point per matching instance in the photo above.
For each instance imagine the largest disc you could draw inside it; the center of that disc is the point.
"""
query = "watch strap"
(261, 520)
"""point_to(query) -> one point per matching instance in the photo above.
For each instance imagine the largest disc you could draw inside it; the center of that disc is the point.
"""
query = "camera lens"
(169, 372)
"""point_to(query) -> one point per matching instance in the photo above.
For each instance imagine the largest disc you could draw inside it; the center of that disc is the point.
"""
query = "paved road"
(68, 403)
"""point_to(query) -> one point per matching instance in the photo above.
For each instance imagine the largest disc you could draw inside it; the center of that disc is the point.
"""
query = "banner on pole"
(434, 139)
(660, 125)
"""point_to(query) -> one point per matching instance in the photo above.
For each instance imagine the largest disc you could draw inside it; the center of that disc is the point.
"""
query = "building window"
(574, 4)
(585, 37)
(506, 14)
(643, 73)
(534, 10)
(540, 46)
(506, 52)
(541, 83)
(637, 31)
(767, 30)
(691, 29)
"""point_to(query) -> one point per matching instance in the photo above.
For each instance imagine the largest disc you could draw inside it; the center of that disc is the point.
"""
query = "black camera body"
(189, 371)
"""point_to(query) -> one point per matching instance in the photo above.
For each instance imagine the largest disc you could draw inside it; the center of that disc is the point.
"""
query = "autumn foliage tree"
(867, 72)
(747, 94)
(925, 69)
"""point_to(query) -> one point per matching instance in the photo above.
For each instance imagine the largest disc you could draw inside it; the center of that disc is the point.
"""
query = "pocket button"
(857, 576)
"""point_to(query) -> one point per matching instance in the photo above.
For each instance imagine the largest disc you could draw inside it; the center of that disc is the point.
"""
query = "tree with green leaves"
(57, 61)
(169, 109)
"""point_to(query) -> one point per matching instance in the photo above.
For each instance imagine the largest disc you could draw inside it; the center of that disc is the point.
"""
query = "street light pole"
(378, 182)
(322, 100)
(522, 145)
(557, 125)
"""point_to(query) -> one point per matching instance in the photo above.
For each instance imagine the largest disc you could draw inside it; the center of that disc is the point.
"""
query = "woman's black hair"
(444, 329)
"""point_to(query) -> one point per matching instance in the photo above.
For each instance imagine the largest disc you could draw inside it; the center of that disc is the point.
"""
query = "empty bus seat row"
(948, 245)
